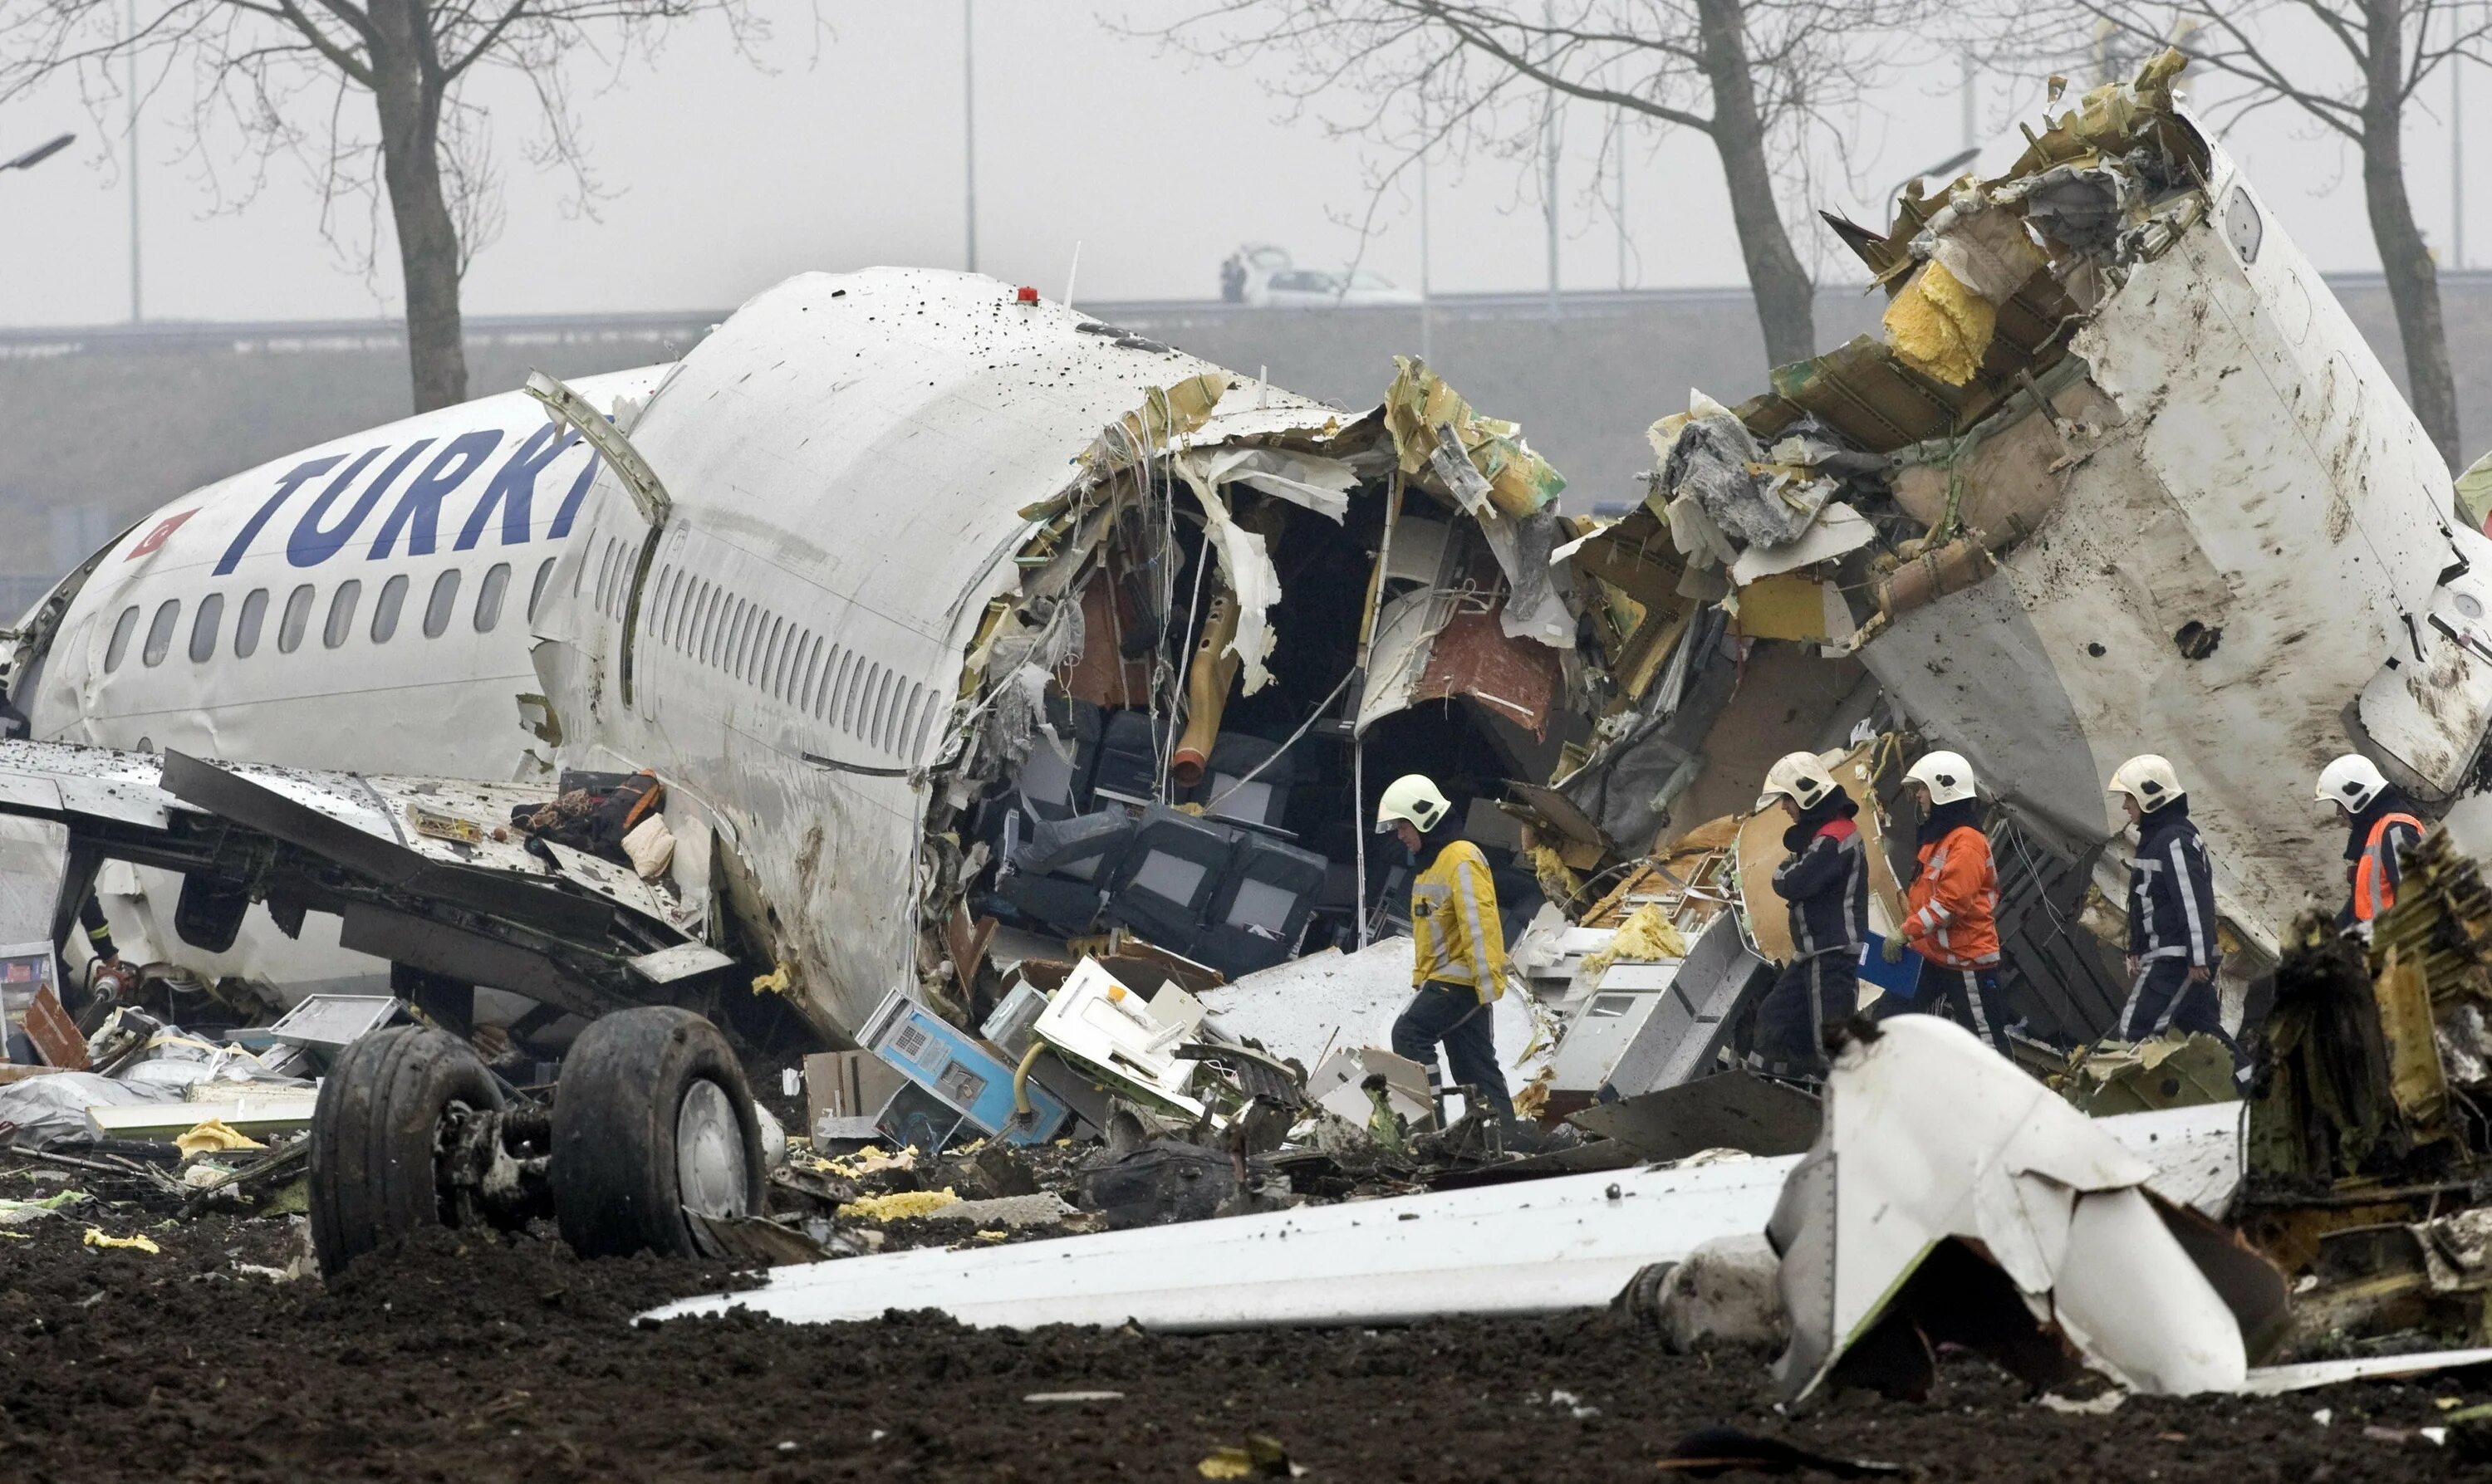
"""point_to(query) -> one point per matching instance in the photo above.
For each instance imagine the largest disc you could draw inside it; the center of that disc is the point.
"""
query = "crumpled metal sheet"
(1932, 1139)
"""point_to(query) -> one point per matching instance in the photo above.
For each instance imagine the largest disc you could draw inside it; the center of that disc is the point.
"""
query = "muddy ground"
(487, 1359)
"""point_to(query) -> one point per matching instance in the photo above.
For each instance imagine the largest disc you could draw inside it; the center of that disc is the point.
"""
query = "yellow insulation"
(898, 1206)
(1645, 937)
(1940, 328)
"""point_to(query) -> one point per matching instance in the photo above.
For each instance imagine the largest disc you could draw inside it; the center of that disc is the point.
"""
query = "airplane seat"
(1258, 914)
(1226, 793)
(1052, 786)
(1169, 874)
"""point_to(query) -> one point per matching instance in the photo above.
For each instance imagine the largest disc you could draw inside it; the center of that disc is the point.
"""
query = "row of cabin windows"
(294, 621)
(861, 698)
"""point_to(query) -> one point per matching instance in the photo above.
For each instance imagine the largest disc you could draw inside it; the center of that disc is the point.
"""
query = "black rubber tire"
(616, 1190)
(373, 1134)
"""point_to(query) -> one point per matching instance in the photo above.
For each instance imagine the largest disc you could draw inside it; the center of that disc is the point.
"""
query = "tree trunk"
(409, 102)
(1786, 296)
(2414, 283)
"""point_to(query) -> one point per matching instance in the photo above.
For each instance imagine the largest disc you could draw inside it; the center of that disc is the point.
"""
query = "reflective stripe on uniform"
(2372, 891)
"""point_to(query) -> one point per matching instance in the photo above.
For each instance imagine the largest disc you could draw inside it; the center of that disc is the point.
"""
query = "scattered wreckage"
(1054, 810)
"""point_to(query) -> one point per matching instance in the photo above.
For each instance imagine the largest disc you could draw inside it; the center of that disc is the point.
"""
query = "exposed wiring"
(1257, 771)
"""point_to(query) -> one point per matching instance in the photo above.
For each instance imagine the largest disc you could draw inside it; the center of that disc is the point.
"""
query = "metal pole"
(969, 129)
(1373, 614)
(2457, 162)
(1622, 201)
(1427, 304)
(137, 312)
(1548, 145)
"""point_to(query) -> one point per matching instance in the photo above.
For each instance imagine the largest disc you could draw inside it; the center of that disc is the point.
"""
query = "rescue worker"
(1459, 967)
(1825, 884)
(2171, 908)
(1951, 909)
(2380, 822)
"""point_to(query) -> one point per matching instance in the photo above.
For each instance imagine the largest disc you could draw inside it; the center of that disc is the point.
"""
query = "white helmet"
(2148, 779)
(1412, 797)
(2351, 781)
(1800, 777)
(1947, 775)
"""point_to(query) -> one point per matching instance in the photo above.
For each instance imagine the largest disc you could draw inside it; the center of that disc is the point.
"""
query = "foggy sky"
(732, 178)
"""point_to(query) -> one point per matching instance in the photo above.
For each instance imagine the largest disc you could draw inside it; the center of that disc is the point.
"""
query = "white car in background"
(1273, 281)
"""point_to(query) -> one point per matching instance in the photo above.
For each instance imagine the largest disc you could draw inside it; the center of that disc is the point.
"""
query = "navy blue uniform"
(2171, 928)
(1826, 884)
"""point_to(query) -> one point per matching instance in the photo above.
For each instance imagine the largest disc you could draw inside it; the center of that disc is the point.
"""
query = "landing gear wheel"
(380, 1131)
(651, 1116)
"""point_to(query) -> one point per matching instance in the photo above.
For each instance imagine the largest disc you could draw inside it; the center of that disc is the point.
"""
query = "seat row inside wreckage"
(2110, 447)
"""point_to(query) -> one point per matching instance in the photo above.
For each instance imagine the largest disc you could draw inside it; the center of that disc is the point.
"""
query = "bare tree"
(2352, 67)
(1763, 79)
(283, 74)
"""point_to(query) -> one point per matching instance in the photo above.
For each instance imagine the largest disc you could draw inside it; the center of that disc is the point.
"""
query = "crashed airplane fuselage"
(838, 577)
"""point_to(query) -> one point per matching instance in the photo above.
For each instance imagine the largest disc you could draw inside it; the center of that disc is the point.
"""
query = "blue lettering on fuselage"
(321, 533)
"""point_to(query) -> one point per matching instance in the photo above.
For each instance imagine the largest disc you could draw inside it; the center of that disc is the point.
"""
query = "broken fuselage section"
(2120, 476)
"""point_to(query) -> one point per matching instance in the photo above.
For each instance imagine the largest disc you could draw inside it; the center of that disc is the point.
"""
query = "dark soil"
(492, 1359)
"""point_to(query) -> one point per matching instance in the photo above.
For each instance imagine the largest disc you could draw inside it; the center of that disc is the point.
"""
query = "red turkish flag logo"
(157, 537)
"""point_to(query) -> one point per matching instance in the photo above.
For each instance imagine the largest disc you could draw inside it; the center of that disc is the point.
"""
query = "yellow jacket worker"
(1459, 963)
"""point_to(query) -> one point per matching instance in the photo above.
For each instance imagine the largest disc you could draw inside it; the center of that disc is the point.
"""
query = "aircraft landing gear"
(651, 1123)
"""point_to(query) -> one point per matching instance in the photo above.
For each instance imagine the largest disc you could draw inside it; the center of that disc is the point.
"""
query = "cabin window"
(341, 613)
(438, 607)
(770, 653)
(925, 724)
(159, 633)
(878, 732)
(296, 618)
(536, 589)
(205, 627)
(123, 628)
(386, 608)
(606, 573)
(489, 597)
(254, 612)
(802, 700)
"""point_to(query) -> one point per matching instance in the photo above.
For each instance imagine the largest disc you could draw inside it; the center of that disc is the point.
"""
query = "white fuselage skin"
(363, 605)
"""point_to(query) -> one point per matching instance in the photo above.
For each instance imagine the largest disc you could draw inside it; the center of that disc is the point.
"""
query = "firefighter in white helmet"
(2172, 954)
(1459, 967)
(1825, 886)
(1951, 909)
(2381, 824)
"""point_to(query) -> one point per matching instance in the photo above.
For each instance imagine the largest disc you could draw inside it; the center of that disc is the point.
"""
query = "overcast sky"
(730, 178)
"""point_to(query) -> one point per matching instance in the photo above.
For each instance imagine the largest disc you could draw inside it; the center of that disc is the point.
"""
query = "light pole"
(969, 128)
(40, 152)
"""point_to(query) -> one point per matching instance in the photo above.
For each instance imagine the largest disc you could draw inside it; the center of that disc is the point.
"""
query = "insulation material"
(1246, 566)
(1310, 480)
(2475, 493)
(1839, 531)
(1717, 460)
(1420, 402)
(1167, 414)
(1984, 247)
(1646, 936)
(1939, 327)
(1783, 607)
(900, 1205)
(1523, 549)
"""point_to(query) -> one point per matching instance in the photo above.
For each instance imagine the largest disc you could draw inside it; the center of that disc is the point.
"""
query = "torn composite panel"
(2294, 517)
